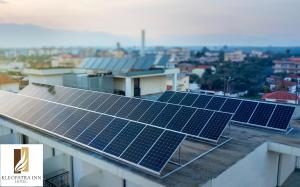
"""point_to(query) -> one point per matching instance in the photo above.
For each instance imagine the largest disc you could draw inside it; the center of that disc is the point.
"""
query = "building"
(281, 97)
(8, 83)
(236, 56)
(53, 76)
(200, 70)
(130, 76)
(290, 65)
(182, 82)
(243, 157)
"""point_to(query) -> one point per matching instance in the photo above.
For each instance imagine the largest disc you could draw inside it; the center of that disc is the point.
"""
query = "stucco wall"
(152, 85)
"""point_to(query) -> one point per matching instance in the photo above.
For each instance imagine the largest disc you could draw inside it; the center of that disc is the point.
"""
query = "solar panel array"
(136, 143)
(199, 123)
(252, 113)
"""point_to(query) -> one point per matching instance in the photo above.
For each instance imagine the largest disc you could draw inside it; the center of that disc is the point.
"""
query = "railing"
(59, 178)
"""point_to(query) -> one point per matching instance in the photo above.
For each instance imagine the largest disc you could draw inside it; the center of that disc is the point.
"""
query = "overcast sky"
(161, 18)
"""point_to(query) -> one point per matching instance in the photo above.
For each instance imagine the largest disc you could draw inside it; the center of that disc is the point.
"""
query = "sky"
(164, 20)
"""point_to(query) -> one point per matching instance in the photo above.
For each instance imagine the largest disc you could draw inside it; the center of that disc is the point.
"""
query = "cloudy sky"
(164, 20)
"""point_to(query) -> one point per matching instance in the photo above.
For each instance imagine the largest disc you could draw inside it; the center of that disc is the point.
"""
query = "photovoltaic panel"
(216, 103)
(80, 99)
(111, 130)
(189, 99)
(123, 112)
(73, 96)
(197, 122)
(181, 118)
(89, 100)
(36, 116)
(244, 111)
(44, 120)
(215, 126)
(124, 138)
(108, 103)
(166, 96)
(81, 125)
(117, 106)
(281, 117)
(202, 101)
(140, 146)
(166, 115)
(28, 107)
(57, 120)
(166, 145)
(98, 102)
(177, 97)
(139, 110)
(262, 114)
(231, 105)
(94, 129)
(152, 112)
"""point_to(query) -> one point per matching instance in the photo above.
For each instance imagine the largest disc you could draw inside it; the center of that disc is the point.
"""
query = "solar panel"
(128, 107)
(162, 150)
(108, 103)
(117, 106)
(166, 96)
(142, 144)
(215, 126)
(80, 99)
(81, 125)
(197, 122)
(139, 110)
(177, 97)
(57, 120)
(124, 138)
(36, 116)
(216, 103)
(281, 117)
(152, 112)
(181, 118)
(165, 115)
(231, 105)
(189, 99)
(94, 129)
(262, 114)
(98, 102)
(202, 101)
(245, 111)
(89, 100)
(74, 95)
(111, 130)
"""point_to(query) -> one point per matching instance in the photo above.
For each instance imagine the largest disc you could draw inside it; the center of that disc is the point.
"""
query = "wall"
(287, 166)
(49, 79)
(12, 87)
(152, 85)
(258, 169)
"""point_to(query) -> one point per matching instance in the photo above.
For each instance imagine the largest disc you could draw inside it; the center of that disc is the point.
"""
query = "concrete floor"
(293, 180)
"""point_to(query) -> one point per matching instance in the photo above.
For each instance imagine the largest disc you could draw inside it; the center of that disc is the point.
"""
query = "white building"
(236, 56)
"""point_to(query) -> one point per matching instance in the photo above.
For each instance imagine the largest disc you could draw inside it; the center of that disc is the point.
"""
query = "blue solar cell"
(177, 97)
(215, 126)
(244, 111)
(152, 112)
(42, 122)
(70, 121)
(70, 98)
(117, 105)
(162, 150)
(166, 115)
(231, 105)
(94, 129)
(111, 130)
(124, 138)
(181, 118)
(202, 101)
(40, 113)
(98, 102)
(108, 103)
(89, 100)
(189, 99)
(281, 117)
(128, 107)
(81, 98)
(57, 120)
(262, 114)
(216, 103)
(140, 146)
(140, 110)
(166, 96)
(81, 125)
(197, 122)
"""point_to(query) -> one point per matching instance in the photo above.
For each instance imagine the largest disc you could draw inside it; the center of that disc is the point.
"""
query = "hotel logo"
(21, 165)
(21, 160)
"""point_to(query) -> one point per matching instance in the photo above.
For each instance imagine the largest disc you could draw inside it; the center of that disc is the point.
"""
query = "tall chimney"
(142, 52)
